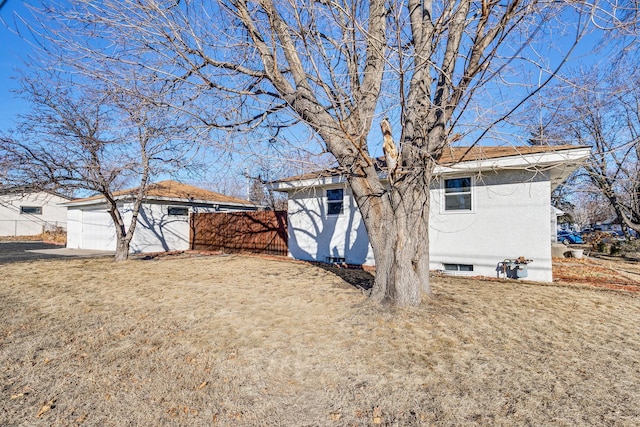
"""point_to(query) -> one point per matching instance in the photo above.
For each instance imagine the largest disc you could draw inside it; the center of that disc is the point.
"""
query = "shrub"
(629, 246)
(601, 247)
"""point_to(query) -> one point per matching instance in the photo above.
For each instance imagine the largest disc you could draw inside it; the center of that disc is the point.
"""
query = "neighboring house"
(612, 225)
(555, 213)
(163, 221)
(24, 213)
(488, 204)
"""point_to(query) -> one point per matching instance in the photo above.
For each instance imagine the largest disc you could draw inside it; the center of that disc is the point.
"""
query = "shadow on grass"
(354, 275)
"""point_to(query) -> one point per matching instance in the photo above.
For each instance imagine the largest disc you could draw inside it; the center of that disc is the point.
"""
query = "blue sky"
(12, 50)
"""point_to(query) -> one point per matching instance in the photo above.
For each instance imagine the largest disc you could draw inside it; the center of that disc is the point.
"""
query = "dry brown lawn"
(601, 271)
(238, 340)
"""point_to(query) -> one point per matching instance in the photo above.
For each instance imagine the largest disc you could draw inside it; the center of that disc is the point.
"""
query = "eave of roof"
(466, 154)
(563, 158)
(28, 190)
(171, 192)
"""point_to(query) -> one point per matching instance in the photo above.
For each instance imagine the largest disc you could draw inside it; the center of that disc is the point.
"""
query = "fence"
(232, 232)
(14, 227)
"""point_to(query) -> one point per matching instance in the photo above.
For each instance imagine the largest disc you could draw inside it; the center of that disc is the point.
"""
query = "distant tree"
(538, 136)
(601, 108)
(260, 194)
(257, 193)
(266, 170)
(544, 134)
(591, 208)
(561, 199)
(94, 139)
(336, 68)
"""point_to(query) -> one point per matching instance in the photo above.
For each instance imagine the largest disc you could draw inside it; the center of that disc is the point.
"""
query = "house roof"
(453, 155)
(456, 159)
(171, 191)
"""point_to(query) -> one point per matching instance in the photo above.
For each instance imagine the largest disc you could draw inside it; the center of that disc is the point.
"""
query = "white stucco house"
(163, 221)
(488, 205)
(29, 213)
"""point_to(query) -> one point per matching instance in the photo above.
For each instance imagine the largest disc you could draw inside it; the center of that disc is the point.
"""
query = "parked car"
(570, 237)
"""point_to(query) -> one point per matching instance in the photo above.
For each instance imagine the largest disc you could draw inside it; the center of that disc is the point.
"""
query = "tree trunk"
(122, 249)
(124, 235)
(604, 183)
(397, 223)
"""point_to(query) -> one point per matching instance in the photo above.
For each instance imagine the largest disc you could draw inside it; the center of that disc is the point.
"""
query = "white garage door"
(98, 231)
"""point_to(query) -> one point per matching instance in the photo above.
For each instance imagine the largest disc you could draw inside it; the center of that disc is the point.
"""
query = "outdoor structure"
(612, 225)
(555, 214)
(25, 213)
(488, 205)
(263, 232)
(163, 222)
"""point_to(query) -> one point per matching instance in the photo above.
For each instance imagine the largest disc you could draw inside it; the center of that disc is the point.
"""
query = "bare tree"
(336, 68)
(601, 108)
(94, 140)
(591, 208)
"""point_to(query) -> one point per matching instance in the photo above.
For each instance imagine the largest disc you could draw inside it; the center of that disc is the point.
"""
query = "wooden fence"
(232, 232)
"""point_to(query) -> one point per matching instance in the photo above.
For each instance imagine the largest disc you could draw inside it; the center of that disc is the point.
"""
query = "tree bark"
(397, 223)
(402, 255)
(123, 238)
(122, 249)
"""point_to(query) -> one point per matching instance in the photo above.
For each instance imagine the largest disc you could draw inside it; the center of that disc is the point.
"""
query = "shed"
(163, 221)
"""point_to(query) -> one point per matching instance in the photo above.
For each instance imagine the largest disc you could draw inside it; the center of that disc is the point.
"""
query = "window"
(31, 210)
(458, 267)
(176, 211)
(335, 201)
(457, 194)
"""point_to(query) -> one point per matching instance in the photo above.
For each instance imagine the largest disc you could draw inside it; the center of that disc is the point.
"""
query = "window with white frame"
(178, 211)
(457, 194)
(335, 201)
(458, 267)
(31, 210)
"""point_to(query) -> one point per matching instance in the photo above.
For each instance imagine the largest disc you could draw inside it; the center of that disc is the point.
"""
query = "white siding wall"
(510, 218)
(14, 223)
(314, 235)
(156, 231)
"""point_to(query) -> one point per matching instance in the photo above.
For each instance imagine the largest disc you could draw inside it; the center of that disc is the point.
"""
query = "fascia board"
(166, 200)
(535, 161)
(72, 204)
(538, 161)
(198, 201)
(287, 186)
